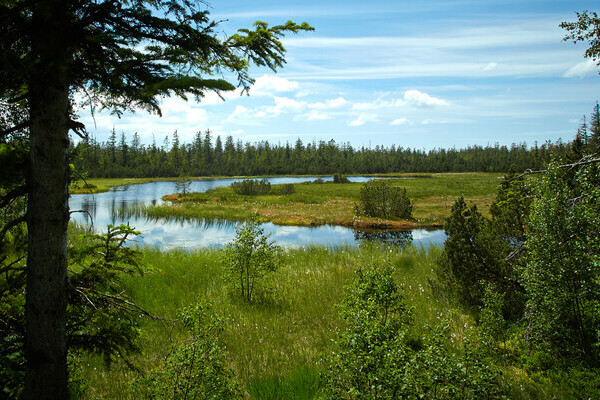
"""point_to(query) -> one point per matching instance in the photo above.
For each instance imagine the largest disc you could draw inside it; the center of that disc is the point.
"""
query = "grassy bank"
(99, 185)
(274, 347)
(328, 203)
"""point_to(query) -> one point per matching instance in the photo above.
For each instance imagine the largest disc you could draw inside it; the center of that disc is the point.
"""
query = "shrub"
(249, 259)
(252, 187)
(380, 199)
(288, 189)
(562, 271)
(377, 359)
(195, 369)
(339, 178)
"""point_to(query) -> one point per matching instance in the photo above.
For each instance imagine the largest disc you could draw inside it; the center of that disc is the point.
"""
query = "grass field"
(328, 203)
(274, 347)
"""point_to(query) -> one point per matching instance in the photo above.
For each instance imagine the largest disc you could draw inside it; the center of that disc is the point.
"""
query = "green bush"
(252, 187)
(561, 275)
(376, 358)
(339, 178)
(249, 259)
(194, 369)
(288, 189)
(380, 199)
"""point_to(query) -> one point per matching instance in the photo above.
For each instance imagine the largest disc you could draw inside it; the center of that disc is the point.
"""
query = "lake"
(101, 209)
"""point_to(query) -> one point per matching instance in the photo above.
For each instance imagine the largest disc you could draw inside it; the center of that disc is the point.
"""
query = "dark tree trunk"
(47, 209)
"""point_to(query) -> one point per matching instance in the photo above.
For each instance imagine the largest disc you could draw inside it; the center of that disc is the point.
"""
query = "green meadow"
(315, 204)
(275, 346)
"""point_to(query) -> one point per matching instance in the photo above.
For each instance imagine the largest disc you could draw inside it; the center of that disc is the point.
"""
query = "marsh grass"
(328, 203)
(275, 345)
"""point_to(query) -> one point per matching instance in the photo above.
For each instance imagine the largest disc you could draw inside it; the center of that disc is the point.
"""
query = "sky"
(422, 74)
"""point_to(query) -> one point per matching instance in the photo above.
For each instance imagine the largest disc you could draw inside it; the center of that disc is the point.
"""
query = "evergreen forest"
(124, 156)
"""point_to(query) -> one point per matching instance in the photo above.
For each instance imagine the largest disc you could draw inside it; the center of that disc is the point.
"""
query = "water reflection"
(125, 204)
(397, 238)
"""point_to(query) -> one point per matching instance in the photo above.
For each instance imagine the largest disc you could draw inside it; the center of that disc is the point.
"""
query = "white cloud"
(362, 119)
(419, 99)
(400, 121)
(584, 68)
(285, 105)
(490, 66)
(315, 115)
(267, 85)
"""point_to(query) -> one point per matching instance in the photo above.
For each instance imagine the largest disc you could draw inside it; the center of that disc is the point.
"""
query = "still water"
(102, 209)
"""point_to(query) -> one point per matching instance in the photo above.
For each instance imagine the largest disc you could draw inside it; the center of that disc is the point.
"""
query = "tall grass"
(274, 346)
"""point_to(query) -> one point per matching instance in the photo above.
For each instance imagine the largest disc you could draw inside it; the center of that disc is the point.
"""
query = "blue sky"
(420, 74)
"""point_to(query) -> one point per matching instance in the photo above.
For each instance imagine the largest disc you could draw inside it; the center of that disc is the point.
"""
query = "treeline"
(127, 157)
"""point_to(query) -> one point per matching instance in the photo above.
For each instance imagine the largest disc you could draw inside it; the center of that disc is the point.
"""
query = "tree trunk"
(47, 209)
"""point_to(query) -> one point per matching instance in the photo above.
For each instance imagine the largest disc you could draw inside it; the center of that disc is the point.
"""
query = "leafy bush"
(377, 359)
(252, 187)
(319, 181)
(380, 199)
(288, 189)
(249, 259)
(562, 273)
(339, 178)
(195, 369)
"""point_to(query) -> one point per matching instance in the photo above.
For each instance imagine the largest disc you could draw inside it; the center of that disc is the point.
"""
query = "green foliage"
(511, 209)
(195, 369)
(101, 318)
(473, 256)
(183, 185)
(252, 187)
(379, 199)
(562, 273)
(585, 29)
(287, 189)
(492, 325)
(376, 357)
(249, 259)
(339, 178)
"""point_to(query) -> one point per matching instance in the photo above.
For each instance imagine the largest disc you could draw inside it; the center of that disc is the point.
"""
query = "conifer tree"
(126, 56)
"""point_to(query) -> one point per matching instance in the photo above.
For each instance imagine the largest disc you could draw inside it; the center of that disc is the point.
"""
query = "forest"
(123, 156)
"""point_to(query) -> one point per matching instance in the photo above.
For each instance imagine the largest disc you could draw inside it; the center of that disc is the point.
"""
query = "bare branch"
(13, 194)
(15, 128)
(577, 164)
(129, 303)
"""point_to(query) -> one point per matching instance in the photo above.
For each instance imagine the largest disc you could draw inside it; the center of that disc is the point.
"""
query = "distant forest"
(207, 156)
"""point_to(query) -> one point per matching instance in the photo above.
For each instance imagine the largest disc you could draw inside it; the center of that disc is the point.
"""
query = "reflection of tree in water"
(141, 211)
(88, 209)
(398, 238)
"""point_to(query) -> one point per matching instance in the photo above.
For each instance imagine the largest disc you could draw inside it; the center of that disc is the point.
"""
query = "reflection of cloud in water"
(171, 233)
(283, 231)
(420, 234)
